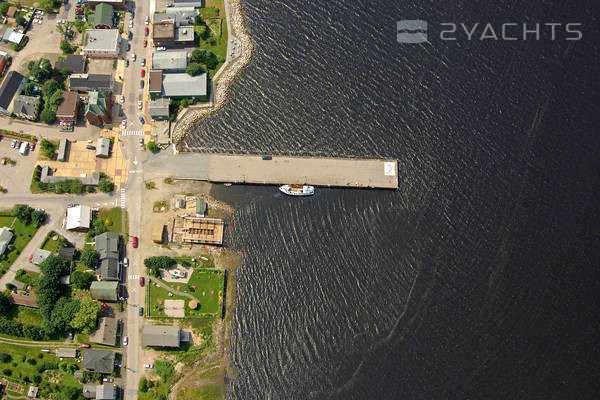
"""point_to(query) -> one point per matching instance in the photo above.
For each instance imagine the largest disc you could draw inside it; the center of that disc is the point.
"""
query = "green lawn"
(29, 316)
(54, 245)
(113, 217)
(207, 392)
(208, 14)
(23, 234)
(158, 388)
(27, 277)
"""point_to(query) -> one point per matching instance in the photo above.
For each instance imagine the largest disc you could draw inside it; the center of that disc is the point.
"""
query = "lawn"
(209, 15)
(113, 217)
(207, 392)
(23, 234)
(53, 245)
(27, 277)
(158, 388)
(29, 316)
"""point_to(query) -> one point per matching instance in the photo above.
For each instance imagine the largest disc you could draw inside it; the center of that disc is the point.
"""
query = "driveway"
(16, 178)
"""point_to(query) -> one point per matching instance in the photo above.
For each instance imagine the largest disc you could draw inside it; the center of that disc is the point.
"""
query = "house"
(116, 4)
(10, 88)
(187, 3)
(47, 177)
(179, 86)
(103, 148)
(103, 16)
(163, 33)
(99, 108)
(12, 36)
(66, 353)
(88, 82)
(155, 84)
(158, 232)
(170, 61)
(107, 245)
(106, 333)
(160, 336)
(39, 255)
(201, 208)
(100, 392)
(75, 63)
(12, 12)
(67, 253)
(184, 36)
(63, 143)
(26, 107)
(105, 290)
(32, 392)
(182, 16)
(102, 43)
(159, 109)
(69, 108)
(6, 235)
(79, 218)
(102, 361)
(3, 60)
(22, 298)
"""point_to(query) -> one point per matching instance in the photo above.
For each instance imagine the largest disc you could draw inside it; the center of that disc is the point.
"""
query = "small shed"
(157, 233)
(66, 353)
(12, 12)
(62, 149)
(67, 253)
(39, 255)
(201, 208)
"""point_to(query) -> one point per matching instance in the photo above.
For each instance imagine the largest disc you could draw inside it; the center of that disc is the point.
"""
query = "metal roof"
(79, 217)
(160, 336)
(102, 361)
(39, 255)
(104, 290)
(103, 15)
(170, 60)
(103, 147)
(159, 107)
(101, 39)
(10, 85)
(6, 236)
(182, 85)
(62, 149)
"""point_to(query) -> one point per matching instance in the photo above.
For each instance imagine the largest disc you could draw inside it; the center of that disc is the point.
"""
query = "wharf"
(316, 171)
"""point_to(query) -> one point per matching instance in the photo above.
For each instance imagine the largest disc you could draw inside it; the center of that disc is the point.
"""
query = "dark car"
(141, 311)
(267, 158)
(90, 147)
(142, 84)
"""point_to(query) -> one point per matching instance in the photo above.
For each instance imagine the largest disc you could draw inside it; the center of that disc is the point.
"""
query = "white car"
(147, 20)
(125, 341)
(125, 262)
(122, 99)
(161, 48)
(124, 124)
(132, 56)
(131, 23)
(60, 21)
(139, 104)
(109, 380)
(150, 366)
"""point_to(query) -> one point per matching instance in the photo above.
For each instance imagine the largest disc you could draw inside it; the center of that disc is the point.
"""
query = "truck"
(24, 148)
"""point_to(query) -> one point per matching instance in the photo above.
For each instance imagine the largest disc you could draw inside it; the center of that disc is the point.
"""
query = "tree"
(40, 70)
(37, 379)
(53, 265)
(49, 289)
(48, 116)
(194, 69)
(4, 8)
(66, 47)
(89, 257)
(29, 88)
(4, 303)
(38, 218)
(20, 20)
(159, 261)
(105, 185)
(99, 226)
(152, 146)
(85, 319)
(82, 280)
(69, 393)
(23, 213)
(164, 369)
(50, 86)
(62, 314)
(143, 385)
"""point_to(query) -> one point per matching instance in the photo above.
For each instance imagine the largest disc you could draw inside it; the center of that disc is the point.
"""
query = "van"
(90, 147)
(24, 148)
(267, 158)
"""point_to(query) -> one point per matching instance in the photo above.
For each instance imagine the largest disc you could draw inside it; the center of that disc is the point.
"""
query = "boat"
(227, 184)
(297, 190)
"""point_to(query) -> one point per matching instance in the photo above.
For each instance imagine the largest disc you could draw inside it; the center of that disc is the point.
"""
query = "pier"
(278, 170)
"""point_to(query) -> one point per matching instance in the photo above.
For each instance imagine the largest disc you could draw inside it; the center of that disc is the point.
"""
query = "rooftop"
(159, 107)
(101, 39)
(26, 105)
(102, 361)
(97, 103)
(74, 63)
(104, 290)
(170, 60)
(66, 353)
(106, 333)
(11, 83)
(155, 81)
(103, 15)
(184, 34)
(23, 299)
(68, 107)
(103, 147)
(39, 255)
(163, 30)
(79, 217)
(85, 82)
(175, 85)
(160, 336)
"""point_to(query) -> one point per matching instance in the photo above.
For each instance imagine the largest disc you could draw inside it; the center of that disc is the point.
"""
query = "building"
(105, 290)
(182, 16)
(69, 108)
(6, 235)
(201, 208)
(12, 36)
(88, 82)
(159, 109)
(22, 298)
(47, 177)
(102, 361)
(26, 107)
(103, 16)
(66, 353)
(116, 4)
(75, 63)
(39, 255)
(3, 61)
(12, 12)
(102, 43)
(79, 218)
(32, 392)
(170, 61)
(63, 143)
(107, 245)
(98, 108)
(106, 333)
(67, 253)
(10, 88)
(155, 84)
(187, 229)
(179, 86)
(163, 33)
(103, 148)
(187, 3)
(158, 231)
(160, 336)
(100, 392)
(184, 36)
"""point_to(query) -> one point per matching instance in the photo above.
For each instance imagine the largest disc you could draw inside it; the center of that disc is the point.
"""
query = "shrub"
(143, 385)
(31, 361)
(5, 358)
(37, 379)
(164, 369)
(7, 371)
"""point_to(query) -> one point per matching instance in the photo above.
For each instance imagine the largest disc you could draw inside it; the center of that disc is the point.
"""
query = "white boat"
(297, 190)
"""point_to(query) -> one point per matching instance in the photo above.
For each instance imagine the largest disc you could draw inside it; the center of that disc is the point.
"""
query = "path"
(174, 291)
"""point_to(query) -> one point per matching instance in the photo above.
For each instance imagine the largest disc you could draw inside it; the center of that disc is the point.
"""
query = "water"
(478, 277)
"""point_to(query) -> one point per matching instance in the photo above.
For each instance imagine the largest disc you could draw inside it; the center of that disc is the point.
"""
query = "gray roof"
(39, 255)
(109, 269)
(180, 17)
(103, 147)
(6, 236)
(67, 253)
(184, 34)
(26, 105)
(107, 245)
(101, 40)
(85, 82)
(86, 180)
(102, 361)
(89, 391)
(175, 85)
(159, 107)
(74, 63)
(170, 60)
(62, 149)
(10, 85)
(161, 336)
(66, 353)
(106, 333)
(106, 392)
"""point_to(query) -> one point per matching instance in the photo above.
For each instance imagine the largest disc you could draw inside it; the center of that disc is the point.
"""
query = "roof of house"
(103, 147)
(24, 299)
(107, 245)
(109, 269)
(62, 149)
(74, 63)
(39, 255)
(106, 333)
(184, 85)
(184, 34)
(99, 392)
(66, 353)
(159, 107)
(180, 16)
(96, 103)
(160, 336)
(163, 30)
(10, 85)
(6, 235)
(170, 60)
(12, 11)
(68, 107)
(89, 391)
(79, 217)
(157, 232)
(104, 290)
(155, 81)
(200, 206)
(67, 253)
(102, 361)
(90, 81)
(26, 105)
(101, 39)
(103, 14)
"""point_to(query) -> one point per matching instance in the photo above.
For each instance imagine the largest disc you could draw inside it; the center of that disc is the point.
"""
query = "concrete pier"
(316, 171)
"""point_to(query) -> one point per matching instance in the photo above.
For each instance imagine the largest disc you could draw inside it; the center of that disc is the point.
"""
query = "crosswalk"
(123, 198)
(136, 277)
(132, 133)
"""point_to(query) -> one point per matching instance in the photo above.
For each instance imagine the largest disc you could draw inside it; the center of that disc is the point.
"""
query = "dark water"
(477, 279)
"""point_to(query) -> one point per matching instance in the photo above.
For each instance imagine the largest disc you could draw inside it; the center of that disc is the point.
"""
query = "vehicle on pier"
(297, 190)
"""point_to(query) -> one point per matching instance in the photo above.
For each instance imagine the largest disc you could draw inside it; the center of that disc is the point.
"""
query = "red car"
(31, 258)
(145, 43)
(84, 346)
(143, 73)
(141, 281)
(135, 241)
(32, 147)
(146, 31)
(106, 307)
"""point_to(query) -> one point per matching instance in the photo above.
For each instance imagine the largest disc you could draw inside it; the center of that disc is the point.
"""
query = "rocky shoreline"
(229, 71)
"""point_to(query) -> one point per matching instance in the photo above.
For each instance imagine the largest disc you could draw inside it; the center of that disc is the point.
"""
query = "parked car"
(124, 124)
(147, 20)
(143, 62)
(139, 104)
(142, 120)
(141, 311)
(32, 146)
(84, 346)
(130, 35)
(127, 47)
(169, 5)
(106, 307)
(135, 239)
(132, 14)
(143, 73)
(145, 43)
(141, 142)
(125, 262)
(122, 99)
(142, 281)
(126, 63)
(109, 380)
(146, 31)
(31, 258)
(161, 48)
(125, 341)
(150, 366)
(13, 144)
(90, 147)
(132, 56)
(141, 83)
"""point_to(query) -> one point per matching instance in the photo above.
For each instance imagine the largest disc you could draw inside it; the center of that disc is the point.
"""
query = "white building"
(79, 218)
(102, 43)
(6, 236)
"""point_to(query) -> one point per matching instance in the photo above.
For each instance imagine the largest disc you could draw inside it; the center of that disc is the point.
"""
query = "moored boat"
(297, 190)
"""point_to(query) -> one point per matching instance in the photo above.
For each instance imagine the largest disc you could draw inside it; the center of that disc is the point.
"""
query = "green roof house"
(103, 16)
(98, 107)
(105, 290)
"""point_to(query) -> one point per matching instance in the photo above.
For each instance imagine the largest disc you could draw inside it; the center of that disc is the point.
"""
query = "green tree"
(85, 319)
(40, 70)
(64, 311)
(22, 212)
(105, 185)
(82, 280)
(143, 387)
(69, 393)
(66, 47)
(29, 88)
(20, 20)
(4, 303)
(38, 218)
(48, 116)
(89, 257)
(194, 69)
(164, 369)
(99, 226)
(4, 8)
(152, 146)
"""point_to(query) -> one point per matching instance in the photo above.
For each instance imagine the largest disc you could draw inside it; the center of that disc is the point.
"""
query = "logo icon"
(411, 31)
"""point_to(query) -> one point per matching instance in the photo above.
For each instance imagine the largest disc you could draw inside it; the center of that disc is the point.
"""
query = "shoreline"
(225, 76)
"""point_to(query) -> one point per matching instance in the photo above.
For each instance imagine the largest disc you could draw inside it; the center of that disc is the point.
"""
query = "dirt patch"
(175, 308)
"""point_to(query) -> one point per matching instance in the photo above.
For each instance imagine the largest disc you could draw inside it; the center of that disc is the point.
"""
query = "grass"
(54, 245)
(158, 388)
(23, 234)
(220, 47)
(29, 316)
(207, 392)
(159, 205)
(113, 216)
(27, 277)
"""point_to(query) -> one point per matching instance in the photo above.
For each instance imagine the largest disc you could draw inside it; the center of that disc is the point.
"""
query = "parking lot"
(17, 177)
